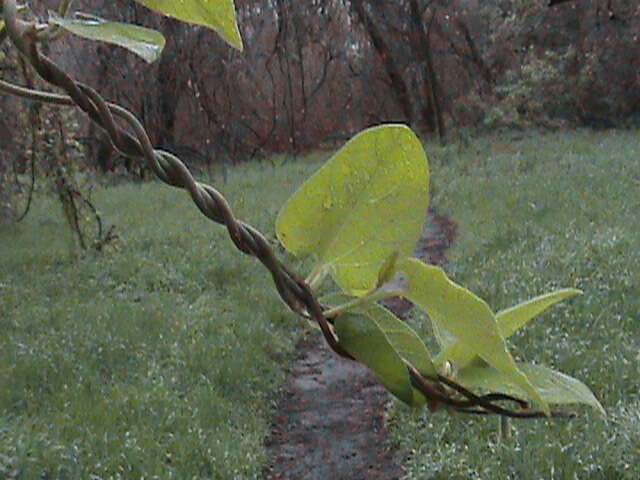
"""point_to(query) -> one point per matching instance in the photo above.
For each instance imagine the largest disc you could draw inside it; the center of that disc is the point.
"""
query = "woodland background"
(315, 72)
(150, 359)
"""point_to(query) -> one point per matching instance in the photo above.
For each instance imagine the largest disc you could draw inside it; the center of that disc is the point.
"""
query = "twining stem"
(296, 293)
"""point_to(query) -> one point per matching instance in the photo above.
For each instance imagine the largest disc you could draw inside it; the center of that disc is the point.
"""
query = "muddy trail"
(330, 421)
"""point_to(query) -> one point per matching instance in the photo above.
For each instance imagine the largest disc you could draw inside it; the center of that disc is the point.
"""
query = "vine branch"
(295, 292)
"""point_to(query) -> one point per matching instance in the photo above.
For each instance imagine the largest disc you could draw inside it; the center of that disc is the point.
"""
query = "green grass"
(160, 359)
(546, 211)
(156, 360)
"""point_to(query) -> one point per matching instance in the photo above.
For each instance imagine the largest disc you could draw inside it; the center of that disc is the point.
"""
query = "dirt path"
(330, 421)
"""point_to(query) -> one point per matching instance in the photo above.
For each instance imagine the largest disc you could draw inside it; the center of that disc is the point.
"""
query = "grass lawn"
(557, 210)
(160, 359)
(157, 360)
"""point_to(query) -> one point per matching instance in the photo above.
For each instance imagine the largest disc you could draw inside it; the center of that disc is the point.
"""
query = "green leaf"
(514, 318)
(466, 316)
(509, 322)
(142, 41)
(444, 338)
(219, 15)
(385, 273)
(363, 339)
(555, 387)
(403, 338)
(368, 201)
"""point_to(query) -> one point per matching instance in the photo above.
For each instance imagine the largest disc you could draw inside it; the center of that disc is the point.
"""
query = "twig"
(295, 292)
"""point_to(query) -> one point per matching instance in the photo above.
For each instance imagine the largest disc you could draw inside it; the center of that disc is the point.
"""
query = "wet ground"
(330, 422)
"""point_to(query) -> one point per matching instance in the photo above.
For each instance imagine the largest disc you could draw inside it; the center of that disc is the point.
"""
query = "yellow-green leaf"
(445, 340)
(466, 316)
(402, 338)
(516, 317)
(368, 201)
(554, 386)
(385, 273)
(219, 15)
(363, 339)
(144, 42)
(510, 321)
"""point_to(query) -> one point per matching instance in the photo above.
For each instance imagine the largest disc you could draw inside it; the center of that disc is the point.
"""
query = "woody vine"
(356, 217)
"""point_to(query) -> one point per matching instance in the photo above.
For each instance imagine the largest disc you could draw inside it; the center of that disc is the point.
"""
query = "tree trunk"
(398, 84)
(171, 82)
(422, 46)
(474, 54)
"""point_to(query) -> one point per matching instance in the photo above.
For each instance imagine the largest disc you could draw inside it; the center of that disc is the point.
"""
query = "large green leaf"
(509, 320)
(555, 387)
(466, 316)
(445, 340)
(368, 201)
(363, 339)
(219, 15)
(142, 41)
(403, 339)
(405, 342)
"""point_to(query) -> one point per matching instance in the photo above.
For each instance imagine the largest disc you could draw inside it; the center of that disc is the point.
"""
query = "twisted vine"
(293, 290)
